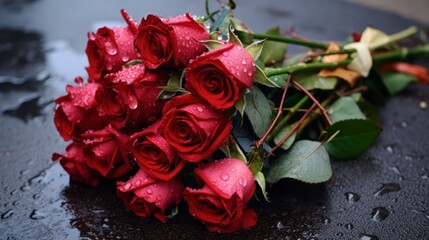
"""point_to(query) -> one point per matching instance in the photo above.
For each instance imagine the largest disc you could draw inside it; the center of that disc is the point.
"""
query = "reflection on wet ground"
(381, 195)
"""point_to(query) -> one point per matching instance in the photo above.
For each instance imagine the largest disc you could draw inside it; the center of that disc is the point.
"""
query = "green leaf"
(212, 44)
(355, 136)
(279, 79)
(255, 49)
(273, 51)
(396, 82)
(260, 179)
(256, 159)
(282, 133)
(240, 105)
(235, 150)
(243, 32)
(310, 80)
(258, 111)
(261, 78)
(232, 37)
(345, 108)
(306, 161)
(174, 85)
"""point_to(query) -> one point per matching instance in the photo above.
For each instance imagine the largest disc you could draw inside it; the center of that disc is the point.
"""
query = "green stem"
(396, 37)
(400, 54)
(306, 43)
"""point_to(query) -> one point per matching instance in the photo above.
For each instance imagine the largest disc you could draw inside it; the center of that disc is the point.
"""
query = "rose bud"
(154, 155)
(76, 112)
(107, 152)
(193, 128)
(74, 162)
(146, 196)
(108, 50)
(128, 98)
(221, 75)
(171, 42)
(228, 185)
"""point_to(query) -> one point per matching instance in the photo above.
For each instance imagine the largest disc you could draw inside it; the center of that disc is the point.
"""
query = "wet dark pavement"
(381, 195)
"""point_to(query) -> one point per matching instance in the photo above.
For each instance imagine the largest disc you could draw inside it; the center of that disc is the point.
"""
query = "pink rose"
(171, 42)
(108, 50)
(193, 128)
(221, 75)
(154, 155)
(76, 112)
(107, 152)
(128, 98)
(228, 185)
(74, 162)
(146, 196)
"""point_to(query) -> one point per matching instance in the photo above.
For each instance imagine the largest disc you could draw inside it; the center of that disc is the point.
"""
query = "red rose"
(154, 155)
(128, 98)
(171, 42)
(108, 50)
(76, 112)
(107, 152)
(193, 128)
(74, 162)
(146, 197)
(221, 202)
(221, 75)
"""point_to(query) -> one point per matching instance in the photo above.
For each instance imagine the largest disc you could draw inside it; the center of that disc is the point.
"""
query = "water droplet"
(109, 66)
(127, 186)
(395, 169)
(404, 124)
(110, 48)
(352, 197)
(242, 181)
(138, 182)
(378, 214)
(364, 236)
(245, 70)
(7, 214)
(149, 191)
(158, 197)
(37, 215)
(243, 61)
(387, 188)
(423, 105)
(389, 149)
(326, 221)
(199, 109)
(233, 169)
(280, 225)
(226, 54)
(125, 57)
(348, 226)
(224, 176)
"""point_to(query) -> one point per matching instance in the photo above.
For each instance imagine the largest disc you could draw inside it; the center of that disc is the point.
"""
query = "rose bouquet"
(202, 110)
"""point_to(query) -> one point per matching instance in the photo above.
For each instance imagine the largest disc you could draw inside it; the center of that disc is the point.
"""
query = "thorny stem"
(279, 113)
(295, 127)
(287, 117)
(324, 112)
(305, 66)
(307, 43)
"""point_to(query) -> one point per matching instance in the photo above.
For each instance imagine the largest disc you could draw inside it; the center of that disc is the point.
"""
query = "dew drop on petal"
(243, 61)
(127, 186)
(110, 48)
(226, 54)
(242, 181)
(158, 197)
(199, 109)
(149, 191)
(138, 182)
(224, 176)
